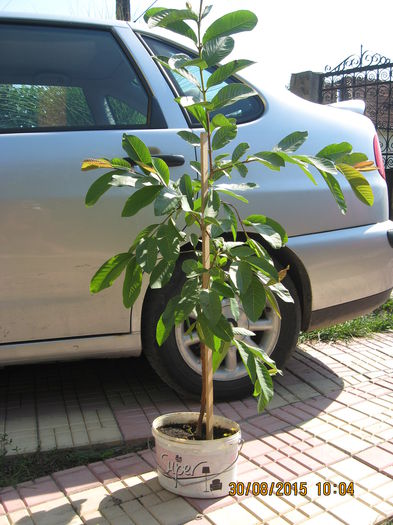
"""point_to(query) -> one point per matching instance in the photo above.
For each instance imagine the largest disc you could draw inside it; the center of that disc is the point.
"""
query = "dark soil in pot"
(188, 431)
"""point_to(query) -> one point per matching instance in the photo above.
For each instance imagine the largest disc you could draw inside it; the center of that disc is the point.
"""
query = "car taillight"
(378, 157)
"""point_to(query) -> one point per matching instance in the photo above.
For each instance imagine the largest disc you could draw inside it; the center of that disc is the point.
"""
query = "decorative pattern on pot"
(201, 469)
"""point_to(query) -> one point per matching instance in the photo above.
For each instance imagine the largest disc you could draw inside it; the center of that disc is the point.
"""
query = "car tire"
(169, 360)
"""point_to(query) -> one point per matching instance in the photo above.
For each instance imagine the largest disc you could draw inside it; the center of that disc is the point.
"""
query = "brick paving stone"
(10, 500)
(59, 512)
(39, 491)
(102, 472)
(76, 479)
(279, 472)
(258, 508)
(128, 465)
(173, 512)
(295, 516)
(232, 515)
(354, 511)
(326, 454)
(376, 457)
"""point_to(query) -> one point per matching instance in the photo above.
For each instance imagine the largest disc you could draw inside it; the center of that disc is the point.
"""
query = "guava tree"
(196, 213)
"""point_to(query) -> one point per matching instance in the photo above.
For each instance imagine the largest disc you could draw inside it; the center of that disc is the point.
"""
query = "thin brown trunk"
(206, 353)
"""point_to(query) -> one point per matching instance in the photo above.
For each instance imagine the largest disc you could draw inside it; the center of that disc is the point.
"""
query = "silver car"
(69, 90)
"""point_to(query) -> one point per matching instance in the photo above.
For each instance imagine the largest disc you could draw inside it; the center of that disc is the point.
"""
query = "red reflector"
(378, 157)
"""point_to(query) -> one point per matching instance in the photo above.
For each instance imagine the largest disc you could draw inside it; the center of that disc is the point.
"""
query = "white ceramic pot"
(198, 469)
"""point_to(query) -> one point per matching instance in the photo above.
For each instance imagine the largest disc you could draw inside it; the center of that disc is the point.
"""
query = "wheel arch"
(285, 257)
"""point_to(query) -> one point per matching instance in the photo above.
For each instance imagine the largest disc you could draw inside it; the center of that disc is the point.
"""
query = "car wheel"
(177, 361)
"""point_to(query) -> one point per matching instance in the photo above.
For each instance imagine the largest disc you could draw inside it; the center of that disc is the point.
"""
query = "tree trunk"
(123, 10)
(206, 353)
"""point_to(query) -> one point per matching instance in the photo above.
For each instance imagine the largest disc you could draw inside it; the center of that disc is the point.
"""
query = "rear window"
(243, 111)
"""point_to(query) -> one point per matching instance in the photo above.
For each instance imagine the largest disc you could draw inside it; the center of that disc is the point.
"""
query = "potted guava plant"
(221, 253)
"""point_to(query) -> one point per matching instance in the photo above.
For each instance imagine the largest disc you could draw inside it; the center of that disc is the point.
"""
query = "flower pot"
(198, 469)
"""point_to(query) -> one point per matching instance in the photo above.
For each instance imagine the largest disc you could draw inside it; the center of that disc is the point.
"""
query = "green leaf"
(141, 235)
(120, 163)
(162, 17)
(98, 188)
(166, 201)
(198, 112)
(222, 329)
(225, 71)
(274, 160)
(230, 216)
(213, 204)
(254, 300)
(239, 151)
(168, 242)
(242, 169)
(109, 272)
(241, 251)
(237, 187)
(359, 184)
(139, 199)
(211, 305)
(132, 283)
(269, 229)
(206, 11)
(291, 142)
(173, 64)
(190, 137)
(292, 159)
(266, 385)
(223, 136)
(219, 356)
(189, 266)
(161, 168)
(185, 186)
(234, 305)
(217, 49)
(243, 277)
(270, 298)
(264, 266)
(232, 194)
(196, 166)
(218, 121)
(318, 162)
(125, 180)
(230, 94)
(281, 292)
(335, 188)
(231, 23)
(223, 289)
(136, 149)
(146, 254)
(335, 152)
(206, 334)
(162, 273)
(248, 359)
(166, 321)
(353, 158)
(194, 239)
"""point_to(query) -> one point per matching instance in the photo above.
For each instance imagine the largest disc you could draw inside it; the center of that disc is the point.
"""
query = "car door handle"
(171, 160)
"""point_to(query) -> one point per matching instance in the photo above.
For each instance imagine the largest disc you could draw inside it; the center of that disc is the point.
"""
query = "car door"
(69, 92)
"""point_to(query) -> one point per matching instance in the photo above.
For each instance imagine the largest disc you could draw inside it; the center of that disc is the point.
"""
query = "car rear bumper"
(348, 269)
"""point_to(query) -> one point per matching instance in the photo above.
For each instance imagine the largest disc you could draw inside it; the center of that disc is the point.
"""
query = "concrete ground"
(331, 420)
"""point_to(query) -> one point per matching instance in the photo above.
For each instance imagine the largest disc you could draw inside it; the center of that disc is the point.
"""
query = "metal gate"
(368, 77)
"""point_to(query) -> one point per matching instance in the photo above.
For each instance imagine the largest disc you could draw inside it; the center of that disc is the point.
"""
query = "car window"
(243, 110)
(67, 78)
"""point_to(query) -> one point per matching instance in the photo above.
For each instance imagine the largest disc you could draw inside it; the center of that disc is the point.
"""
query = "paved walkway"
(331, 420)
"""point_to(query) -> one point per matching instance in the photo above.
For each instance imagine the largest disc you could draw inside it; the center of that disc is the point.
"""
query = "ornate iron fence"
(368, 77)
